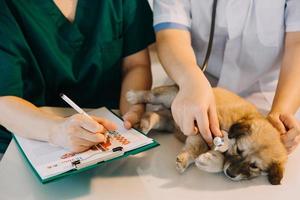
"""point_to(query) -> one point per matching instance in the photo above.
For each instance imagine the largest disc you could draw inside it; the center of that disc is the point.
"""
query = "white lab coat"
(248, 43)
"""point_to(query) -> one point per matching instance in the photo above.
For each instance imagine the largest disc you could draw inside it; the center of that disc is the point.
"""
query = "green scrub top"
(43, 54)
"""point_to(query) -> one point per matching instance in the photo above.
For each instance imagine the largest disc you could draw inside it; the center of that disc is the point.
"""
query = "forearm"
(136, 76)
(177, 56)
(287, 97)
(23, 118)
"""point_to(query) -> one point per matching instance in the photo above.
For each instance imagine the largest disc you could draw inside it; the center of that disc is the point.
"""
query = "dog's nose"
(230, 174)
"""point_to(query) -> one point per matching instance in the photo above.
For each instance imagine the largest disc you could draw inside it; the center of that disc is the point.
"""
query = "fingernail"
(195, 130)
(221, 134)
(114, 126)
(99, 127)
(105, 138)
(127, 124)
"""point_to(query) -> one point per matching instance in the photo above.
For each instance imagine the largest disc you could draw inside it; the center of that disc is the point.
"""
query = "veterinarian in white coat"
(253, 40)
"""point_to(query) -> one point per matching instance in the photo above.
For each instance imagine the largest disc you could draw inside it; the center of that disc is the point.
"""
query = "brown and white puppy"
(255, 148)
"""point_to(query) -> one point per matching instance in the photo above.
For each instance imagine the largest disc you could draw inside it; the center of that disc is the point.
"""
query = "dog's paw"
(149, 121)
(135, 97)
(182, 162)
(211, 161)
(145, 125)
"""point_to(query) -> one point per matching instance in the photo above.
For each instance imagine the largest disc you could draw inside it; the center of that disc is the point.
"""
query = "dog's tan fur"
(256, 149)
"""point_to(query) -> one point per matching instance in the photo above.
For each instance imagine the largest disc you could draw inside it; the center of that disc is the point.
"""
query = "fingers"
(214, 121)
(77, 145)
(127, 124)
(133, 116)
(203, 126)
(97, 125)
(184, 119)
(87, 123)
(106, 123)
(289, 128)
(290, 145)
(93, 138)
(277, 123)
(78, 149)
(290, 136)
(130, 119)
(206, 121)
(291, 139)
(76, 141)
(188, 125)
(175, 115)
(80, 132)
(289, 121)
(87, 129)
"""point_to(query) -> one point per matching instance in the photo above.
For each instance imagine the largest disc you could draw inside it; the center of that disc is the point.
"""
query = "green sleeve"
(5, 138)
(138, 26)
(11, 59)
(11, 62)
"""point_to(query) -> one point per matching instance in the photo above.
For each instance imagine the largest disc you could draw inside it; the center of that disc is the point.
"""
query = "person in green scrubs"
(93, 51)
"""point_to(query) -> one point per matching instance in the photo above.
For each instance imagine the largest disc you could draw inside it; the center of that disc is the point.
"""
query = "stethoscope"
(218, 142)
(211, 36)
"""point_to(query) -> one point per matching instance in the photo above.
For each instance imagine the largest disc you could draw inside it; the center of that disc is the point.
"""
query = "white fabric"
(248, 43)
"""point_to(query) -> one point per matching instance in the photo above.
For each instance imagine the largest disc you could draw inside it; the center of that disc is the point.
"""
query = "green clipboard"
(76, 171)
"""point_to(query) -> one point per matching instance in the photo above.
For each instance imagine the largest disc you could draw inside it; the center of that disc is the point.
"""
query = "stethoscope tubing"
(211, 36)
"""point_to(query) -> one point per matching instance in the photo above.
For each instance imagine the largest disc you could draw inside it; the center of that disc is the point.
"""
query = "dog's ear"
(275, 173)
(238, 129)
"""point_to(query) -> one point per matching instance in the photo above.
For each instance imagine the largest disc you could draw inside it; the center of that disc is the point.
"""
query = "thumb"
(288, 121)
(130, 119)
(277, 123)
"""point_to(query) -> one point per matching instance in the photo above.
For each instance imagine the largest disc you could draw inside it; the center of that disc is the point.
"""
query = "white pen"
(74, 105)
(78, 109)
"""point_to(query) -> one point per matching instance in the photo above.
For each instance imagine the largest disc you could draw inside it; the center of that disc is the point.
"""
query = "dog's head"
(256, 150)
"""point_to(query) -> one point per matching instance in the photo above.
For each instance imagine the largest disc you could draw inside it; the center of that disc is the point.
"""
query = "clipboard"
(79, 166)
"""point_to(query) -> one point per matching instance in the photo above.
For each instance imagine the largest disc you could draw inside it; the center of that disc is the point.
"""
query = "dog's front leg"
(194, 146)
(211, 161)
(161, 120)
(163, 95)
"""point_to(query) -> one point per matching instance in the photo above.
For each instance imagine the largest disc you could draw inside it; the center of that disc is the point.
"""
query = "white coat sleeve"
(292, 15)
(174, 14)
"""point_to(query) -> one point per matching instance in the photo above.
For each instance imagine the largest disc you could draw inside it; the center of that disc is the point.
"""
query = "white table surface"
(149, 175)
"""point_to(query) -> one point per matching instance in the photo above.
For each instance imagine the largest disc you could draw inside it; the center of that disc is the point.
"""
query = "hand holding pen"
(80, 131)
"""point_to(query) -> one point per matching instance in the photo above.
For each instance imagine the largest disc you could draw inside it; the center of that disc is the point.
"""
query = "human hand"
(289, 128)
(195, 102)
(78, 132)
(133, 115)
(274, 118)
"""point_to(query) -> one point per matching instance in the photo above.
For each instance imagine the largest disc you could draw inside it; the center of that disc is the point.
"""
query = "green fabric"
(5, 138)
(42, 54)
